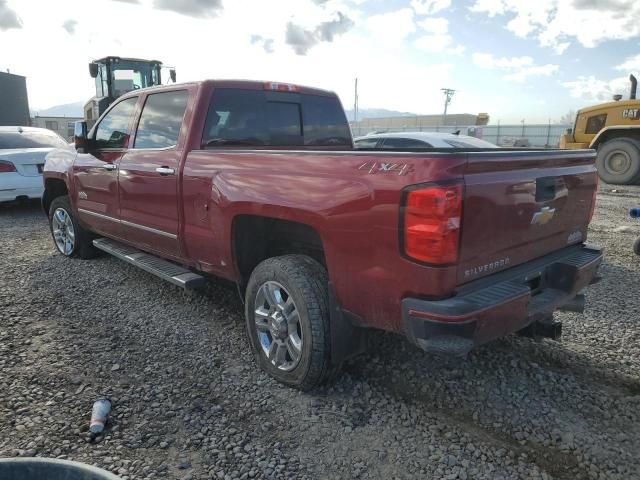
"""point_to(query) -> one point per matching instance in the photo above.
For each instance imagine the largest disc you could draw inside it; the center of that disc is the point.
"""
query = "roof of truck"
(243, 84)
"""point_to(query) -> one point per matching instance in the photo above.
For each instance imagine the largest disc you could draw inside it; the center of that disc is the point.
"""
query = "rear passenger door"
(149, 170)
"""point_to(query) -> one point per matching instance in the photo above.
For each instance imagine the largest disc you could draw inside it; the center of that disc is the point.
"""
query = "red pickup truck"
(259, 183)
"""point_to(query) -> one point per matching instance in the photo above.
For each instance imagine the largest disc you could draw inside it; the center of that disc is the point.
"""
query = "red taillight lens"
(593, 200)
(432, 224)
(6, 167)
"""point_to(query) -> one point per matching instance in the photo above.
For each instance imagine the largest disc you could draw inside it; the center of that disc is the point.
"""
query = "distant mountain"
(377, 113)
(66, 110)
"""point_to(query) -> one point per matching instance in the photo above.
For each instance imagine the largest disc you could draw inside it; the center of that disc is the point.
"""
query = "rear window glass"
(285, 126)
(31, 139)
(324, 121)
(236, 117)
(240, 117)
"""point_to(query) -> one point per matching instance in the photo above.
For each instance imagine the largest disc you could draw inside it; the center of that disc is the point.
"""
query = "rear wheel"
(68, 235)
(287, 316)
(636, 246)
(618, 161)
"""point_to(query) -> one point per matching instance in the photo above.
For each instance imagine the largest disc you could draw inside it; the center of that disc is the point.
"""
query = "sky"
(532, 60)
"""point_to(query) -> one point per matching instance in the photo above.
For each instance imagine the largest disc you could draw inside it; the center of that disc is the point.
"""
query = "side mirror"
(80, 137)
(172, 75)
(93, 70)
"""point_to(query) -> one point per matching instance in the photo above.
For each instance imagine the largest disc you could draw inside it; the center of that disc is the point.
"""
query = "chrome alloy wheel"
(63, 231)
(278, 326)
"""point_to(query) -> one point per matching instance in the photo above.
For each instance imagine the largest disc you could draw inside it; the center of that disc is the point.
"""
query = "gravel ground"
(189, 403)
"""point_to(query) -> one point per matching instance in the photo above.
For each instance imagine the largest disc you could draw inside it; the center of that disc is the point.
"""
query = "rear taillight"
(432, 223)
(6, 167)
(593, 199)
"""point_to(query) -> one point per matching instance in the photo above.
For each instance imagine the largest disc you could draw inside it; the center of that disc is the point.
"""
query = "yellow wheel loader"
(613, 129)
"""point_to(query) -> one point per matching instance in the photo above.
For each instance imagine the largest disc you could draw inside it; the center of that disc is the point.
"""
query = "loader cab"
(115, 76)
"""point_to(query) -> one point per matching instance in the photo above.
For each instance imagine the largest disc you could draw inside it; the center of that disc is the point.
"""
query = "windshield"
(129, 76)
(30, 139)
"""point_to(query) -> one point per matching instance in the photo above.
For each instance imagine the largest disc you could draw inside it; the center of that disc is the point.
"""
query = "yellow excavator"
(613, 129)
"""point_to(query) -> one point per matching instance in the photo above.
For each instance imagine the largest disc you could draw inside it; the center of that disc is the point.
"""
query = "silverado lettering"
(487, 267)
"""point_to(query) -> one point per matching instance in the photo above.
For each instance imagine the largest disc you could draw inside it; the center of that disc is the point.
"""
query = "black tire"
(618, 161)
(306, 282)
(83, 242)
(636, 246)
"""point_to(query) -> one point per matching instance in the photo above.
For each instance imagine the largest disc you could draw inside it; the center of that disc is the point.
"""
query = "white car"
(398, 140)
(22, 157)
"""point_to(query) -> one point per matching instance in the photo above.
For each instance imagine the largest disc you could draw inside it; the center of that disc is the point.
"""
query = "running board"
(176, 274)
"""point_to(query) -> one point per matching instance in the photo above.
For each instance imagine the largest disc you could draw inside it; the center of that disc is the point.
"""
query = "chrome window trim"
(128, 224)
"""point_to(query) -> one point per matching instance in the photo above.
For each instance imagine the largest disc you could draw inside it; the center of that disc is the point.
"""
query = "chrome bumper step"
(176, 274)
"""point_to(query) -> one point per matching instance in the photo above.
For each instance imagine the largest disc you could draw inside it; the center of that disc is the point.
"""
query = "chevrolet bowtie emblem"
(543, 216)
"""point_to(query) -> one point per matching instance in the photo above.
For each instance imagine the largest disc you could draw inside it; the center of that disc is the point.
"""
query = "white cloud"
(438, 39)
(556, 23)
(518, 68)
(429, 7)
(487, 60)
(8, 17)
(522, 74)
(595, 90)
(630, 65)
(392, 27)
(437, 25)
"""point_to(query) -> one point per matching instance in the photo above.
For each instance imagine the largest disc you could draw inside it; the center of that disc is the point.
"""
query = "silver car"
(398, 140)
(22, 157)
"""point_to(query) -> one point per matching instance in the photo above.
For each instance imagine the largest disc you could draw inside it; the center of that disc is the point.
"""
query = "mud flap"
(347, 339)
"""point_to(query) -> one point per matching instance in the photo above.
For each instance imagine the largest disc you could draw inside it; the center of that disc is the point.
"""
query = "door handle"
(109, 166)
(166, 171)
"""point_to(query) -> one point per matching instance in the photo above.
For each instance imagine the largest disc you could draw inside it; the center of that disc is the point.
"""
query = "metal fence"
(534, 135)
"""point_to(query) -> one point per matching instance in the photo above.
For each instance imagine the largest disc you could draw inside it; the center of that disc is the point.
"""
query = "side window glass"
(236, 117)
(161, 120)
(595, 123)
(285, 127)
(112, 130)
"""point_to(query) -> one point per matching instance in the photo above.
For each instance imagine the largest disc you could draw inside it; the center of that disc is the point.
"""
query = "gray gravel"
(189, 403)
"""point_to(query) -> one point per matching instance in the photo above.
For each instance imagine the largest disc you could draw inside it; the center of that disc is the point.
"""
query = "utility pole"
(355, 102)
(448, 95)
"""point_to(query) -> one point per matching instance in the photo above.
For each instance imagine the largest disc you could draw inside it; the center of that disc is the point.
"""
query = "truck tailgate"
(521, 205)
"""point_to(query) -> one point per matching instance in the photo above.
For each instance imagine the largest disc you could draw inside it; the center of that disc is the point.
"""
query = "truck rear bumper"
(500, 304)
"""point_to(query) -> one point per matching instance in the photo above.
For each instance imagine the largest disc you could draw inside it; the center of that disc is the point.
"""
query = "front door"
(149, 171)
(95, 174)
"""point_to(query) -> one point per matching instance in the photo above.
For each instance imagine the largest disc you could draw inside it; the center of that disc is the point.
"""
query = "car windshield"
(30, 139)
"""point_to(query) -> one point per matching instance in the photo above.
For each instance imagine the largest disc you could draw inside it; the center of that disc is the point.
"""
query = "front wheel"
(68, 235)
(287, 317)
